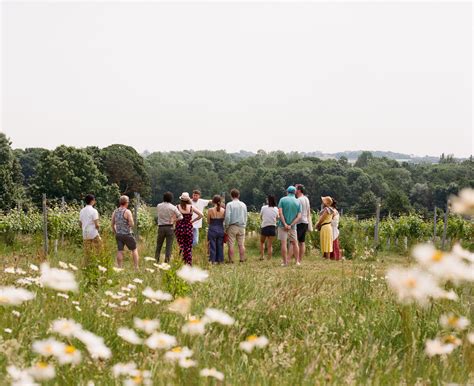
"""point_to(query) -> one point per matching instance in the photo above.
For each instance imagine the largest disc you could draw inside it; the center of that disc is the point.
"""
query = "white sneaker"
(298, 263)
(284, 264)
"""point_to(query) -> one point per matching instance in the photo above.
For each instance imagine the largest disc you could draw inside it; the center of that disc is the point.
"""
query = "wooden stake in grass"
(45, 226)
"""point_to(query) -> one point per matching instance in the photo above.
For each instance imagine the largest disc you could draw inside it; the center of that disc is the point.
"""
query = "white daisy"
(121, 369)
(186, 363)
(194, 326)
(48, 347)
(147, 325)
(94, 344)
(62, 295)
(12, 296)
(137, 280)
(157, 295)
(42, 371)
(16, 313)
(161, 341)
(218, 316)
(253, 341)
(148, 258)
(65, 327)
(102, 269)
(178, 353)
(212, 373)
(192, 274)
(181, 306)
(70, 355)
(438, 347)
(20, 377)
(129, 335)
(73, 267)
(464, 202)
(454, 322)
(58, 279)
(150, 270)
(34, 267)
(8, 330)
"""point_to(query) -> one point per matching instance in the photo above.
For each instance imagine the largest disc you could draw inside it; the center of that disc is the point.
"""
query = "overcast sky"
(291, 76)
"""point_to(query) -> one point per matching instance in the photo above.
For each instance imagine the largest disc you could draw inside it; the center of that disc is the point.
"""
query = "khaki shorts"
(234, 232)
(284, 235)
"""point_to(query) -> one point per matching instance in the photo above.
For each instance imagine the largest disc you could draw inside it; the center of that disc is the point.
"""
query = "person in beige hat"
(184, 227)
(325, 228)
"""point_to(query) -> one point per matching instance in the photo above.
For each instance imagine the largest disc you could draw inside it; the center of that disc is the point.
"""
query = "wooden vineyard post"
(45, 226)
(63, 206)
(135, 213)
(435, 219)
(445, 226)
(377, 221)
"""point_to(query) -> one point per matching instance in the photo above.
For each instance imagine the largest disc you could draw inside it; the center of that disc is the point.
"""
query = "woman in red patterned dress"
(184, 227)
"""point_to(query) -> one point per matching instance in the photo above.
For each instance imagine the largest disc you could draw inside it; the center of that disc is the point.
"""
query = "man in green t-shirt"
(289, 209)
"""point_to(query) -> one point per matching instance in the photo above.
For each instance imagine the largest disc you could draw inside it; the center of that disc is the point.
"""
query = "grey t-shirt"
(305, 207)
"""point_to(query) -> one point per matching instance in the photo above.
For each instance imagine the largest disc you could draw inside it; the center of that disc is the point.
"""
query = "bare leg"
(270, 247)
(302, 251)
(119, 259)
(262, 246)
(295, 250)
(290, 250)
(231, 251)
(284, 252)
(241, 250)
(135, 258)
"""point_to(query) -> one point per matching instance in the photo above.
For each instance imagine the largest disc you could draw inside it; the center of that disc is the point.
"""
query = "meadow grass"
(327, 323)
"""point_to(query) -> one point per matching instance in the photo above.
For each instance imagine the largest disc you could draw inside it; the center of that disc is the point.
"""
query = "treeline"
(71, 173)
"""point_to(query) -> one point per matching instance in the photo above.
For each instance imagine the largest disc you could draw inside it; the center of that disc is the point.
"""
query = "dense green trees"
(11, 189)
(119, 169)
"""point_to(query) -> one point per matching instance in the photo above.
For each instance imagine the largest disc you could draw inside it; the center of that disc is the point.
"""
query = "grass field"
(326, 322)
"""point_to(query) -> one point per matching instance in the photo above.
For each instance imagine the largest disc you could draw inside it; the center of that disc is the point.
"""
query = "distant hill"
(353, 155)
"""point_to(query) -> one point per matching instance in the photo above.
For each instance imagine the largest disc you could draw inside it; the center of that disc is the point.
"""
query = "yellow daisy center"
(177, 349)
(42, 365)
(252, 338)
(70, 349)
(194, 321)
(48, 349)
(453, 320)
(437, 256)
(450, 339)
(3, 299)
(137, 379)
(411, 282)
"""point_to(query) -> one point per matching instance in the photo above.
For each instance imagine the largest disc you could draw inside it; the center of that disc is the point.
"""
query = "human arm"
(178, 214)
(96, 219)
(228, 210)
(199, 214)
(113, 222)
(282, 218)
(129, 217)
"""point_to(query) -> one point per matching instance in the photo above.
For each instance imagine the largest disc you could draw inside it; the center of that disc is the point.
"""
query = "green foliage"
(172, 282)
(11, 189)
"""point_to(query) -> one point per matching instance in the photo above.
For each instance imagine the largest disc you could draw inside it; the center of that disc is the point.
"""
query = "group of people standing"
(290, 221)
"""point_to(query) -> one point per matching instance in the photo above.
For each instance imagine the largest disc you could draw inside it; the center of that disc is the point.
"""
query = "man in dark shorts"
(302, 226)
(122, 224)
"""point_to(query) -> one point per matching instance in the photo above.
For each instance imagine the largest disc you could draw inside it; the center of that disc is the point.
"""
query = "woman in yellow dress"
(324, 226)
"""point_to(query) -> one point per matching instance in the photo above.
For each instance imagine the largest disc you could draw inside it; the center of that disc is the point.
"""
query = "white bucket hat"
(185, 197)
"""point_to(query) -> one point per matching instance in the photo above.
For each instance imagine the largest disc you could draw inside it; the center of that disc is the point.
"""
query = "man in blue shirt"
(235, 223)
(289, 209)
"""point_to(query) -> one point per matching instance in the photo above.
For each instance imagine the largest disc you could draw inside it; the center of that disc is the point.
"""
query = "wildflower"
(164, 266)
(124, 303)
(58, 279)
(159, 340)
(137, 280)
(34, 267)
(76, 303)
(79, 309)
(253, 341)
(194, 326)
(138, 378)
(62, 295)
(16, 313)
(65, 327)
(156, 295)
(212, 373)
(8, 330)
(94, 344)
(131, 286)
(12, 296)
(117, 269)
(462, 253)
(148, 258)
(464, 202)
(186, 363)
(147, 325)
(150, 270)
(120, 369)
(181, 306)
(13, 270)
(48, 347)
(445, 266)
(42, 371)
(470, 337)
(126, 289)
(454, 322)
(178, 353)
(63, 265)
(69, 355)
(437, 347)
(112, 305)
(218, 316)
(132, 300)
(413, 285)
(104, 314)
(73, 267)
(20, 377)
(129, 335)
(102, 269)
(192, 274)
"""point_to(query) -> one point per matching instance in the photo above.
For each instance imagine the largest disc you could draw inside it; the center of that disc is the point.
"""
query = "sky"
(292, 76)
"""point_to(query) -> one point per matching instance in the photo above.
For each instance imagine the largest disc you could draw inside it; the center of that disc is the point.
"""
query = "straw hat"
(185, 197)
(326, 200)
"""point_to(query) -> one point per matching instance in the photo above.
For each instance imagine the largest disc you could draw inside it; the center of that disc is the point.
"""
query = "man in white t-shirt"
(199, 204)
(302, 226)
(89, 222)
